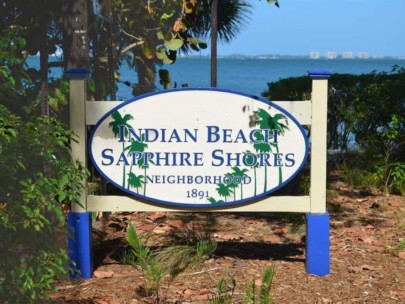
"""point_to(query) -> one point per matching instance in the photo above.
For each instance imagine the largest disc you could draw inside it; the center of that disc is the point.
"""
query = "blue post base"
(318, 244)
(80, 249)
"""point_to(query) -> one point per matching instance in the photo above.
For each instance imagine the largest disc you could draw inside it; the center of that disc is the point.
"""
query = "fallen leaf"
(98, 274)
(199, 297)
(162, 229)
(354, 269)
(366, 239)
(398, 293)
(101, 301)
(187, 293)
(156, 216)
(367, 267)
(394, 204)
(271, 239)
(280, 230)
(372, 248)
(401, 255)
(228, 236)
(204, 291)
(175, 224)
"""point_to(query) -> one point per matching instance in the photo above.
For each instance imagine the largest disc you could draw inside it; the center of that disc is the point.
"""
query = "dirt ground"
(367, 255)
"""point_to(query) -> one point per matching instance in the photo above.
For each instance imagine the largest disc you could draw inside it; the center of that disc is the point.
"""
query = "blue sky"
(301, 26)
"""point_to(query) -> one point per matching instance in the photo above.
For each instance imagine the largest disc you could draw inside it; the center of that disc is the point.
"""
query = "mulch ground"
(367, 255)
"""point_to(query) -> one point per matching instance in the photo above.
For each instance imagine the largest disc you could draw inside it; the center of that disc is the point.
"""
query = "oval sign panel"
(198, 147)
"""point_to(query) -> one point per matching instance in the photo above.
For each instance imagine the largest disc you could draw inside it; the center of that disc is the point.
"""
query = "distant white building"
(331, 55)
(314, 55)
(363, 55)
(347, 55)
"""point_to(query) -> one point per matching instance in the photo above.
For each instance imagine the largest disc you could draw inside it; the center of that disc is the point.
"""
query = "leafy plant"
(170, 261)
(40, 181)
(226, 289)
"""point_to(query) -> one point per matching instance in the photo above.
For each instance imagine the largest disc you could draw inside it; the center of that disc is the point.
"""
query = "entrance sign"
(198, 147)
(216, 150)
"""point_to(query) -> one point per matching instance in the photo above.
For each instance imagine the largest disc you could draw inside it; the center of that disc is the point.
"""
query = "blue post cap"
(319, 73)
(78, 73)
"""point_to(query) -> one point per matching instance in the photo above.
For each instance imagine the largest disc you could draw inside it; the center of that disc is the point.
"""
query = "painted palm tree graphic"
(224, 190)
(237, 176)
(265, 121)
(250, 160)
(119, 120)
(135, 147)
(135, 181)
(279, 124)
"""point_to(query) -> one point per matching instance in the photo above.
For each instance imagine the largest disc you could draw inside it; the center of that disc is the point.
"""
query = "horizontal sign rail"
(271, 204)
(301, 110)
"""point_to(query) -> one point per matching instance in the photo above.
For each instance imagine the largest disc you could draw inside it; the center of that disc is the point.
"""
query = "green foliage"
(39, 183)
(254, 294)
(267, 280)
(366, 113)
(224, 292)
(169, 261)
(400, 246)
(353, 175)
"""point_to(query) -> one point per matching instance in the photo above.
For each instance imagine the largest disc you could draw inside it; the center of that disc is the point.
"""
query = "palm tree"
(135, 181)
(262, 147)
(118, 121)
(136, 146)
(250, 160)
(268, 122)
(144, 167)
(224, 19)
(224, 190)
(232, 184)
(237, 172)
(214, 201)
(154, 33)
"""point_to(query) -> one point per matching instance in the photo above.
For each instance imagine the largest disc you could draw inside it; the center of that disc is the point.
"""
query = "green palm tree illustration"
(135, 181)
(118, 121)
(136, 146)
(214, 201)
(144, 167)
(232, 185)
(250, 160)
(262, 147)
(224, 190)
(237, 172)
(268, 122)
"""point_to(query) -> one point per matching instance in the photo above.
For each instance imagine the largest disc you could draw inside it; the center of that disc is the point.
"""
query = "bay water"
(246, 75)
(252, 75)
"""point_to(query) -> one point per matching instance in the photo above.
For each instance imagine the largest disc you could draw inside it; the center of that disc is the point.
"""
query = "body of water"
(248, 76)
(252, 75)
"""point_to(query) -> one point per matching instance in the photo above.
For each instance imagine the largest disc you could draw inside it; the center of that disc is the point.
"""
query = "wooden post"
(79, 219)
(317, 240)
(318, 139)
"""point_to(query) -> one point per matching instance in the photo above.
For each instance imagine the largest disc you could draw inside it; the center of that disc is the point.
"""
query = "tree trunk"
(75, 46)
(214, 40)
(43, 59)
(146, 70)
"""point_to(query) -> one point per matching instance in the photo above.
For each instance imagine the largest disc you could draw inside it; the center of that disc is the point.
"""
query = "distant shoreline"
(271, 56)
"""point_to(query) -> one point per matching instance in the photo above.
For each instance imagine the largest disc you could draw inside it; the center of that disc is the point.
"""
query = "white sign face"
(198, 147)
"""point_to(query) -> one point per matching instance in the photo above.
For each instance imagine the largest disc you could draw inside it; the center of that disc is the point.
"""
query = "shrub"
(39, 182)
